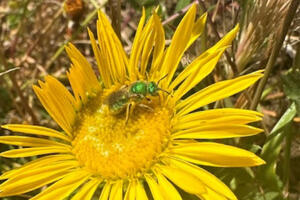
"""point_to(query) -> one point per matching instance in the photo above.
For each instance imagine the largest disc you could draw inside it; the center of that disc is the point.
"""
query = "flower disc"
(115, 148)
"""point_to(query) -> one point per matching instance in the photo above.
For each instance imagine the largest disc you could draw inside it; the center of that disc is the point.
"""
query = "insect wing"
(117, 101)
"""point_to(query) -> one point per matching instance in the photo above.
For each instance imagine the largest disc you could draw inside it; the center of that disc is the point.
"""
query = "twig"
(228, 58)
(81, 28)
(20, 27)
(275, 51)
(234, 46)
(213, 17)
(10, 70)
(287, 157)
(24, 100)
(178, 14)
(45, 30)
(115, 6)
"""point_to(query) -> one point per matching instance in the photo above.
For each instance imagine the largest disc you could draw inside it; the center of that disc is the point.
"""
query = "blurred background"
(32, 38)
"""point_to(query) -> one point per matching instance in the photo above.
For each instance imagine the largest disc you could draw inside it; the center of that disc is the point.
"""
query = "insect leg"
(129, 109)
(146, 107)
(127, 112)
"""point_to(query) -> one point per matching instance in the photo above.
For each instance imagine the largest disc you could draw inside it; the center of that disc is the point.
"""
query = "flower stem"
(287, 157)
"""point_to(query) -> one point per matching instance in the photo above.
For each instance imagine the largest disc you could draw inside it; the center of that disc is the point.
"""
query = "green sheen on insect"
(139, 88)
(135, 93)
(142, 88)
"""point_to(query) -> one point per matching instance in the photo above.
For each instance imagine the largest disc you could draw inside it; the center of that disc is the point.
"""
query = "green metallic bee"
(131, 95)
(118, 100)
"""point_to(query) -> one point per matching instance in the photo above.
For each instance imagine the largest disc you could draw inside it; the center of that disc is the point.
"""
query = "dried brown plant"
(261, 23)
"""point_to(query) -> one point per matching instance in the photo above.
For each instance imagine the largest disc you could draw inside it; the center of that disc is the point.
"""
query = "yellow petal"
(36, 130)
(217, 122)
(105, 192)
(64, 187)
(216, 131)
(81, 74)
(131, 190)
(105, 47)
(35, 178)
(199, 64)
(203, 69)
(220, 115)
(178, 45)
(147, 49)
(87, 191)
(226, 40)
(168, 190)
(29, 141)
(140, 192)
(159, 46)
(135, 46)
(207, 178)
(186, 181)
(206, 56)
(40, 170)
(104, 73)
(46, 160)
(55, 86)
(75, 54)
(58, 102)
(18, 153)
(217, 155)
(139, 59)
(111, 49)
(216, 92)
(216, 117)
(155, 190)
(75, 78)
(197, 29)
(116, 191)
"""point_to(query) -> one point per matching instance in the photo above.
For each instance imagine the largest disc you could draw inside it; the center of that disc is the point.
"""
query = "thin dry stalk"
(115, 6)
(210, 21)
(262, 21)
(275, 51)
(16, 87)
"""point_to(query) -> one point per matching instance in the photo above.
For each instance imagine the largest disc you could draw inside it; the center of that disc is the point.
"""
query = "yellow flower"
(158, 146)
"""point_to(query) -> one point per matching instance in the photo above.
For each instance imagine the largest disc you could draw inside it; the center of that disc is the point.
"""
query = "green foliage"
(18, 9)
(291, 86)
(181, 4)
(271, 151)
(263, 182)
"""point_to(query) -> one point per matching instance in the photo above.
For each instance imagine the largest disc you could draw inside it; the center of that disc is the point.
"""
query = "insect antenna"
(161, 79)
(165, 91)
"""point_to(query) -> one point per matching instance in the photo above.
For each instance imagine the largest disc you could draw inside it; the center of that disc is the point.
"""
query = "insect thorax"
(139, 88)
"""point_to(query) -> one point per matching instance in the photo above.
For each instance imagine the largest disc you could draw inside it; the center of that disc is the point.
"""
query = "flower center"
(113, 148)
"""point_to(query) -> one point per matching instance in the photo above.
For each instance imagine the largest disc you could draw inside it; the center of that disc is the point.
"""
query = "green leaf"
(286, 118)
(291, 82)
(268, 196)
(272, 148)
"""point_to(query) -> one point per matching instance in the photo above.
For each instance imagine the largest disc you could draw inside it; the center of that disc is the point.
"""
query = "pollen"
(114, 148)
